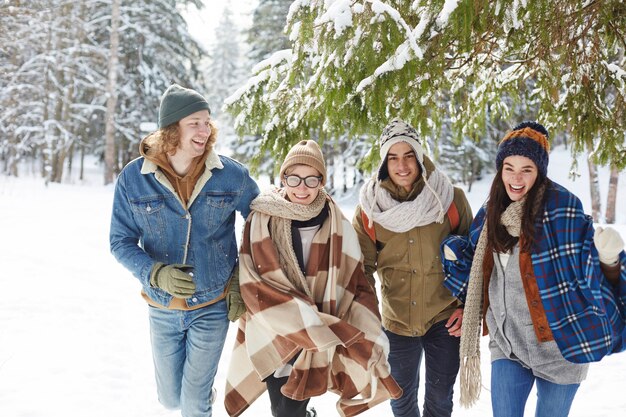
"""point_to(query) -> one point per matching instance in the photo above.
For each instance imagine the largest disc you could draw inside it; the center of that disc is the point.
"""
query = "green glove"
(175, 279)
(234, 302)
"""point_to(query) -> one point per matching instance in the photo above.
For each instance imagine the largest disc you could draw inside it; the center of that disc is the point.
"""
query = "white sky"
(202, 23)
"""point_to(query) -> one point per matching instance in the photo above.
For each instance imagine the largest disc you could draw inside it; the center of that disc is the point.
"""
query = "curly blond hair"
(167, 139)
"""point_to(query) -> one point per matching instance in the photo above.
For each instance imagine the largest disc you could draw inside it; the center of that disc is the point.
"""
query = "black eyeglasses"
(311, 181)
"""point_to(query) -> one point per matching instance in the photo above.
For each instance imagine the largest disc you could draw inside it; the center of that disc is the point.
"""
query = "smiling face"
(519, 174)
(302, 194)
(194, 134)
(402, 165)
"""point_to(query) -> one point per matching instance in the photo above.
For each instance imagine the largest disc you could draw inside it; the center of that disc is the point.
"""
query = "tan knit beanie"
(305, 152)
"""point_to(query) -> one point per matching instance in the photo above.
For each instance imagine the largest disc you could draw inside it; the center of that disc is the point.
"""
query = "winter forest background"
(80, 83)
(84, 78)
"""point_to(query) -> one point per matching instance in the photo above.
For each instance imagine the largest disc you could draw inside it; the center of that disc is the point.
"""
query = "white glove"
(448, 254)
(609, 244)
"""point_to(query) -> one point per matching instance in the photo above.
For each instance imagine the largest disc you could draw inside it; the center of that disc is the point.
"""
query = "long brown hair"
(498, 239)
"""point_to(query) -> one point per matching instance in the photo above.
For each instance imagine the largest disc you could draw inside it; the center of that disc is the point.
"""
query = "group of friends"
(530, 270)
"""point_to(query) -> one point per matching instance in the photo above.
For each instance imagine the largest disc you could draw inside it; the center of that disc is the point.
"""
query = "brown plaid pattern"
(338, 330)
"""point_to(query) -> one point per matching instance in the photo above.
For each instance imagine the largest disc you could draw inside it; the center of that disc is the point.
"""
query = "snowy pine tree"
(156, 50)
(224, 72)
(355, 64)
(54, 78)
(265, 36)
(267, 33)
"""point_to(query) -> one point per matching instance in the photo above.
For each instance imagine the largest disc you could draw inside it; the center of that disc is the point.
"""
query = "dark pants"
(442, 365)
(281, 405)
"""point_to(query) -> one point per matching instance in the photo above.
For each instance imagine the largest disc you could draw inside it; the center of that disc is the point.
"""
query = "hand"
(454, 323)
(236, 306)
(448, 253)
(175, 279)
(609, 244)
(234, 303)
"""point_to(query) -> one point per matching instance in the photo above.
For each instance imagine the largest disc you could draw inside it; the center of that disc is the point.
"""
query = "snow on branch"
(263, 71)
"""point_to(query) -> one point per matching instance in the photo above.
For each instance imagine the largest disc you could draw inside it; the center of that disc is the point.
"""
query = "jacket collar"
(212, 161)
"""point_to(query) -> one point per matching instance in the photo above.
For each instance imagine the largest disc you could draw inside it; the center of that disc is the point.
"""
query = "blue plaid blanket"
(587, 315)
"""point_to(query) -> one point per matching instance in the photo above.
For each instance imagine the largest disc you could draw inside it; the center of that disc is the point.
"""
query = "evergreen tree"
(224, 70)
(265, 37)
(13, 54)
(156, 50)
(54, 73)
(356, 64)
(267, 33)
(53, 83)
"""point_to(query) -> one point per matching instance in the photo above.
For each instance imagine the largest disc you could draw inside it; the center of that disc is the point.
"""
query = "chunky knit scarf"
(275, 204)
(428, 207)
(470, 378)
(282, 212)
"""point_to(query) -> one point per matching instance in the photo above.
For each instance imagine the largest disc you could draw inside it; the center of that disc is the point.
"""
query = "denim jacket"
(149, 224)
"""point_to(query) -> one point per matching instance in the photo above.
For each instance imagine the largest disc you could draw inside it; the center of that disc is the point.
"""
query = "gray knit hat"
(179, 102)
(305, 152)
(399, 131)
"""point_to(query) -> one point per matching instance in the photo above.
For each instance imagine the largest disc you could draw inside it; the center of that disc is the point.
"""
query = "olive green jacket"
(409, 267)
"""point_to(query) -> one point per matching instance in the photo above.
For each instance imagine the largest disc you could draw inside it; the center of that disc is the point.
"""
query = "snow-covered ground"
(74, 331)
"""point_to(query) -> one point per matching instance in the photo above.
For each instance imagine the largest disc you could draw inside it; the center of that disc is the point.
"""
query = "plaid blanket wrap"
(338, 330)
(587, 315)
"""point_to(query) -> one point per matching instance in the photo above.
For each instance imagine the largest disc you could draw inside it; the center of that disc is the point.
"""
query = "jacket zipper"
(160, 177)
(188, 217)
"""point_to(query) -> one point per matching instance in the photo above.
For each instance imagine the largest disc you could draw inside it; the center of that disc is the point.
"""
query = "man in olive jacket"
(403, 215)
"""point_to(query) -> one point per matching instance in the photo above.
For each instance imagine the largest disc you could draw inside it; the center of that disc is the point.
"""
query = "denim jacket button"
(194, 299)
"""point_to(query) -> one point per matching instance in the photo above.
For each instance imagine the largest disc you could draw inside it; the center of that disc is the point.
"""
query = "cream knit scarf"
(428, 207)
(470, 378)
(275, 204)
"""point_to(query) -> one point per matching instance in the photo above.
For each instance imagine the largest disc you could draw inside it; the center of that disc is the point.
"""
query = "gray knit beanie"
(399, 131)
(179, 102)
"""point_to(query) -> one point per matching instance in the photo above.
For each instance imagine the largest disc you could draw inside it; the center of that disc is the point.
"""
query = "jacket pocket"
(219, 207)
(149, 215)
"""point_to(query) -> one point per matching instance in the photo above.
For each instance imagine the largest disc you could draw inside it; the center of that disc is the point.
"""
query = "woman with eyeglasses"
(312, 323)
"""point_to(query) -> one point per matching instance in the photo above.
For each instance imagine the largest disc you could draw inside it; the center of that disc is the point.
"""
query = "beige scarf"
(470, 328)
(428, 207)
(283, 211)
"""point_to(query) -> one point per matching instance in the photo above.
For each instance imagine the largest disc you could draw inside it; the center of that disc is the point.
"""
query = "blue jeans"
(186, 349)
(442, 366)
(511, 384)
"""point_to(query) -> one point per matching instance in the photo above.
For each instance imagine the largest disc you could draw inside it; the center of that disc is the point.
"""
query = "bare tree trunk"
(11, 167)
(59, 163)
(611, 199)
(330, 168)
(345, 177)
(109, 146)
(594, 189)
(70, 159)
(82, 162)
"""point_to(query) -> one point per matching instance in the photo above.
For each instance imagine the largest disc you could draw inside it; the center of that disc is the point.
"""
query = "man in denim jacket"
(173, 227)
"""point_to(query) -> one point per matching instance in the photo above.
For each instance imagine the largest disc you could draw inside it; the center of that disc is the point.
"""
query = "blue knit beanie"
(179, 102)
(529, 139)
